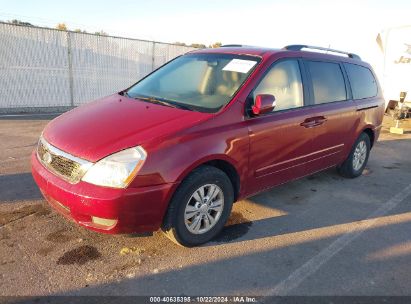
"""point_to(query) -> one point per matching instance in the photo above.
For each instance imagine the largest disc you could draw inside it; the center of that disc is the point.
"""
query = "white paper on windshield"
(239, 65)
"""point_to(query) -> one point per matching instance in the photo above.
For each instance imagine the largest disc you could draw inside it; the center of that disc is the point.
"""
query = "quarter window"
(283, 81)
(328, 82)
(363, 83)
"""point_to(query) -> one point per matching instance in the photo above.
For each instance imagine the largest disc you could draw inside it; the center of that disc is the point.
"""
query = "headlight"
(118, 169)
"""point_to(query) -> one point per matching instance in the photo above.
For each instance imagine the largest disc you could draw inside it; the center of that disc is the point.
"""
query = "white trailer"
(395, 43)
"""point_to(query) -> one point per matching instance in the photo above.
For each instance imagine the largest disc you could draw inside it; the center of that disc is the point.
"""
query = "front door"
(280, 144)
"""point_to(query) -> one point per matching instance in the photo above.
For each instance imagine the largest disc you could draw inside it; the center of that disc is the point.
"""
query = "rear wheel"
(354, 165)
(200, 207)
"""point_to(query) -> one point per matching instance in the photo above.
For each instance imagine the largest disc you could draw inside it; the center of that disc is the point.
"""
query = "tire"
(350, 168)
(186, 202)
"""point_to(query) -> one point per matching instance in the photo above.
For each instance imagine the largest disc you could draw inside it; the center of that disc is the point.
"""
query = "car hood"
(114, 123)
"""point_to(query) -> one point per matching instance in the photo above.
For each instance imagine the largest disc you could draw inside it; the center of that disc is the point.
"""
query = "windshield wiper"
(154, 100)
(164, 102)
(179, 105)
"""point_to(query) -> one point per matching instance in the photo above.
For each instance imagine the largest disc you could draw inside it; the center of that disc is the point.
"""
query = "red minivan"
(211, 127)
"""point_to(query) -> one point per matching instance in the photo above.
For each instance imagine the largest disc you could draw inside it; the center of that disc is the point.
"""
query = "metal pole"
(70, 68)
(152, 56)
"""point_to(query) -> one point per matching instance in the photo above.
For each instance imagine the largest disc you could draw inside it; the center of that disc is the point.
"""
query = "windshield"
(199, 82)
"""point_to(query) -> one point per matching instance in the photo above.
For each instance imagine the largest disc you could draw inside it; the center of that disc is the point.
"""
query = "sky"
(347, 25)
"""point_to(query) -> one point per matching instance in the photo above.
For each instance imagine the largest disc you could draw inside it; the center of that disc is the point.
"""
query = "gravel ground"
(321, 235)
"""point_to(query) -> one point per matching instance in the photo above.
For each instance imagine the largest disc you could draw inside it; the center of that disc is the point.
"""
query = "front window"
(283, 81)
(199, 82)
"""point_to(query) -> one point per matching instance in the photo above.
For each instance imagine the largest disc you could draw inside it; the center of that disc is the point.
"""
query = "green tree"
(15, 21)
(101, 33)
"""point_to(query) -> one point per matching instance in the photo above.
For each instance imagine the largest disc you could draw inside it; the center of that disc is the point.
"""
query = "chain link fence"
(44, 69)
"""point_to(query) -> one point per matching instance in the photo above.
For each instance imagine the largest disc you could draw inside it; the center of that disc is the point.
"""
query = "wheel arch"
(221, 162)
(370, 132)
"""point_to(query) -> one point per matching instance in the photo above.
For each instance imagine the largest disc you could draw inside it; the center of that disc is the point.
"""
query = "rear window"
(363, 83)
(328, 82)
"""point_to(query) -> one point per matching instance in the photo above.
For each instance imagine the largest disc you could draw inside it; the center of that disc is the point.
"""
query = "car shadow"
(284, 199)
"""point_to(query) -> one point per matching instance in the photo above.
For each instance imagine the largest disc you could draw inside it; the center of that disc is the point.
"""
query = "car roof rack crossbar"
(299, 47)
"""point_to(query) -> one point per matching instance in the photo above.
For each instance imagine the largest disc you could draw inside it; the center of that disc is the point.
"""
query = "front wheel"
(200, 207)
(354, 165)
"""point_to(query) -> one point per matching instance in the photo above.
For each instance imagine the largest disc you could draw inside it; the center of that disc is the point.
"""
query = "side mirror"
(263, 103)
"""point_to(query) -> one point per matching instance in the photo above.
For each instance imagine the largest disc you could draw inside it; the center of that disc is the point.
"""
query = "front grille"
(61, 163)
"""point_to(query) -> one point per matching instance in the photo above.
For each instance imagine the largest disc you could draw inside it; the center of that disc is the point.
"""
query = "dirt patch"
(151, 252)
(131, 250)
(45, 251)
(131, 264)
(79, 255)
(236, 218)
(11, 216)
(4, 235)
(367, 171)
(20, 228)
(237, 226)
(43, 211)
(59, 236)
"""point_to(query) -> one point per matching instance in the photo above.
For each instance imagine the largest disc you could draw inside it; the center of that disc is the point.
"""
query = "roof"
(291, 51)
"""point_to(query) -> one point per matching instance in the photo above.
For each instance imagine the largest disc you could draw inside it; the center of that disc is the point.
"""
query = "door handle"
(321, 120)
(308, 123)
(313, 122)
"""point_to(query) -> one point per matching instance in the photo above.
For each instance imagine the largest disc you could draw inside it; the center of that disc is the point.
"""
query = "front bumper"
(130, 210)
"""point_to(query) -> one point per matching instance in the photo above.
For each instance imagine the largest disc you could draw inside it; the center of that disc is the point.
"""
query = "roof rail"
(232, 45)
(299, 47)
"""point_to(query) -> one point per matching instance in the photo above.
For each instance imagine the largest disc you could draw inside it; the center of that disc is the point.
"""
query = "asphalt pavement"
(320, 235)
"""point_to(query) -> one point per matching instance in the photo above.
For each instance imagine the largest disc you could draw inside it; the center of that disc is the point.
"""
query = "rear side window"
(363, 83)
(328, 82)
